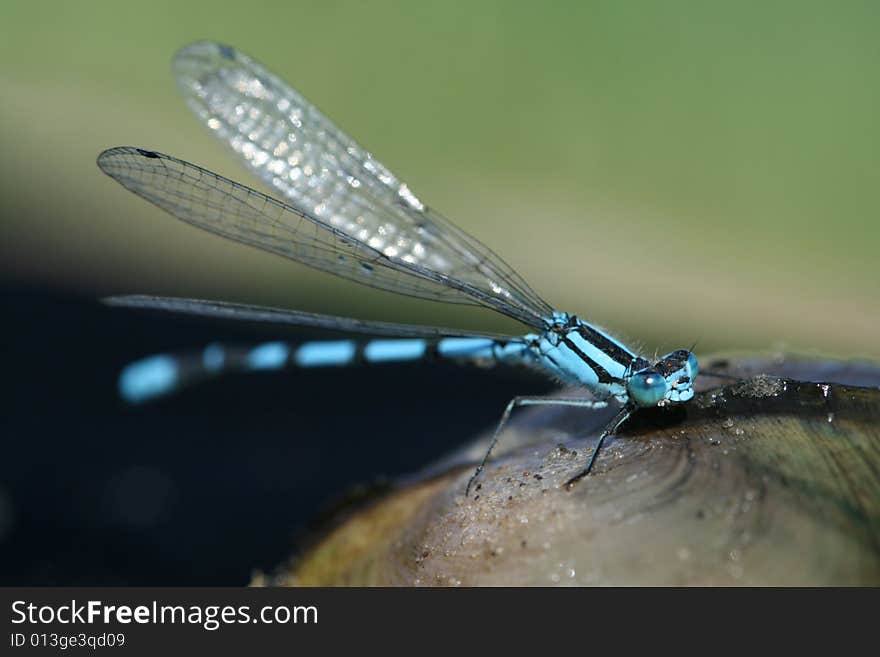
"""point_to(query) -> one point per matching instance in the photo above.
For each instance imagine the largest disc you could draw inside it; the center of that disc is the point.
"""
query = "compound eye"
(692, 366)
(646, 388)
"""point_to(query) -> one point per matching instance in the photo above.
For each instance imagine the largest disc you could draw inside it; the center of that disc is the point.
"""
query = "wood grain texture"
(767, 481)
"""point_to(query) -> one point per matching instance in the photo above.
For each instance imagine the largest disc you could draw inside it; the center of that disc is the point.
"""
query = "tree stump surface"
(769, 480)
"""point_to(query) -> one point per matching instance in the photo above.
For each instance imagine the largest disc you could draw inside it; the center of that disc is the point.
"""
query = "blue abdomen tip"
(148, 378)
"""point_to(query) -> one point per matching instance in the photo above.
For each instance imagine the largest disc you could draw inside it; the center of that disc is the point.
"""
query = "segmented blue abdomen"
(162, 374)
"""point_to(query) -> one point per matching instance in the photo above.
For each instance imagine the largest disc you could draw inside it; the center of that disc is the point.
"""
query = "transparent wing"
(219, 205)
(248, 313)
(333, 181)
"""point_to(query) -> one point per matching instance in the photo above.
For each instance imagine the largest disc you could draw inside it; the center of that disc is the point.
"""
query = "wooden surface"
(766, 481)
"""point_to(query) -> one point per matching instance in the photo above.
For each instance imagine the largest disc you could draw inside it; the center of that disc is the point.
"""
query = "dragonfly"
(343, 212)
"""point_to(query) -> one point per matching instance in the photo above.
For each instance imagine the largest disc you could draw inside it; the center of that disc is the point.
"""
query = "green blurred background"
(676, 171)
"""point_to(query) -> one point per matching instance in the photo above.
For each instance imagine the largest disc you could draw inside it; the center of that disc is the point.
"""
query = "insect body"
(347, 214)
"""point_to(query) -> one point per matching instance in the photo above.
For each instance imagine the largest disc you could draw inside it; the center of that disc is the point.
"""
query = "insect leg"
(528, 401)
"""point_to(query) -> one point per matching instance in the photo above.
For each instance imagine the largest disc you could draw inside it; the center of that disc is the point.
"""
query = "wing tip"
(195, 59)
(126, 300)
(106, 157)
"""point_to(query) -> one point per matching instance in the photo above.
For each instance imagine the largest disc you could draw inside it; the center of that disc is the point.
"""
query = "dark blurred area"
(204, 487)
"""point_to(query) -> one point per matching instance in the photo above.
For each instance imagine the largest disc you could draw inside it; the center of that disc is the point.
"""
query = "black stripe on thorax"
(609, 348)
(601, 373)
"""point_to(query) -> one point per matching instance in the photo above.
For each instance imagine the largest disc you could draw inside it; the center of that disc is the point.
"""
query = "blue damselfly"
(345, 213)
